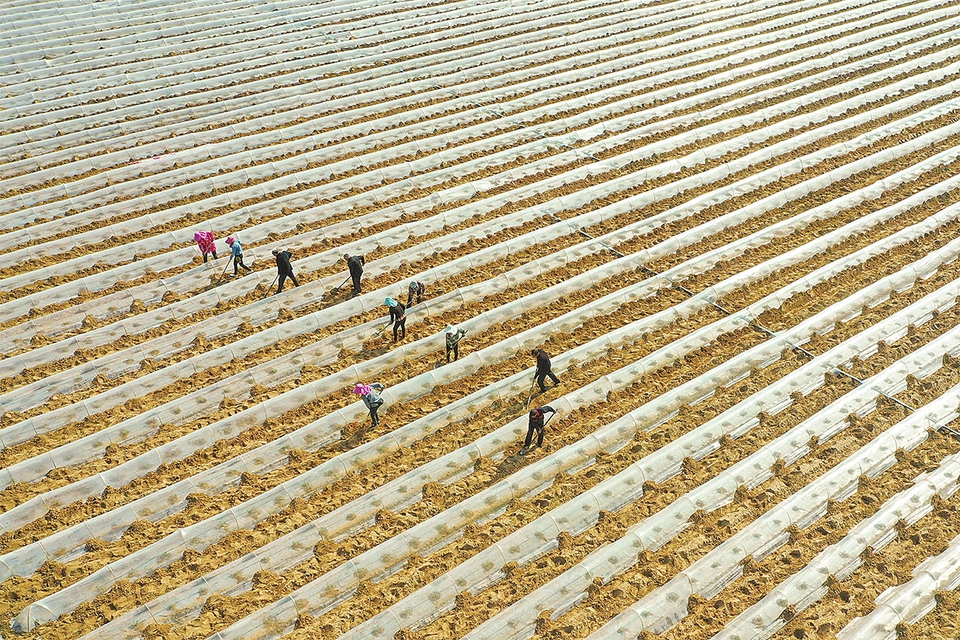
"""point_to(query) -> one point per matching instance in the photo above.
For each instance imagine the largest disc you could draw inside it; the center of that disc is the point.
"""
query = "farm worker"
(236, 252)
(284, 268)
(453, 341)
(416, 289)
(535, 423)
(543, 369)
(355, 264)
(398, 315)
(206, 243)
(370, 394)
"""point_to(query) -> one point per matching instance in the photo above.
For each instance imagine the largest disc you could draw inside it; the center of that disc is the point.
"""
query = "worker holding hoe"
(453, 336)
(355, 265)
(398, 315)
(370, 394)
(536, 424)
(236, 253)
(543, 369)
(284, 268)
(415, 290)
(206, 242)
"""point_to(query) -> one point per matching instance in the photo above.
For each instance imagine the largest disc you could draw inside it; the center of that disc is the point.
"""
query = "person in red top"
(535, 423)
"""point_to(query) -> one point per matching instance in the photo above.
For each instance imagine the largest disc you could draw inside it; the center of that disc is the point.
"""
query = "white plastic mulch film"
(635, 195)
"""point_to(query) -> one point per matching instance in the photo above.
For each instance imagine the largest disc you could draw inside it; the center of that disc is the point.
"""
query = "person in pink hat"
(370, 394)
(236, 252)
(206, 242)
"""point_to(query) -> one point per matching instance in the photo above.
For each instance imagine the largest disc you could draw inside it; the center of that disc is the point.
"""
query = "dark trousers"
(373, 414)
(208, 253)
(530, 430)
(238, 262)
(283, 277)
(411, 295)
(456, 352)
(401, 326)
(356, 281)
(542, 377)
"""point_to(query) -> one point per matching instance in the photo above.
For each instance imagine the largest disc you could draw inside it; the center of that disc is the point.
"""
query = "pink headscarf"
(363, 390)
(204, 240)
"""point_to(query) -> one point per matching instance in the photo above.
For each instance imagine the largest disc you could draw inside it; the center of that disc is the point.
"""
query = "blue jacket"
(373, 399)
(236, 249)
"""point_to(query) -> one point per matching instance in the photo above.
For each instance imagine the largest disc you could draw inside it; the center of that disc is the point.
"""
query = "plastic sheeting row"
(908, 602)
(147, 423)
(59, 319)
(317, 50)
(667, 462)
(131, 43)
(195, 189)
(377, 501)
(87, 372)
(32, 394)
(840, 560)
(347, 517)
(694, 391)
(271, 373)
(562, 593)
(570, 588)
(661, 191)
(513, 57)
(155, 57)
(666, 605)
(296, 83)
(668, 314)
(171, 146)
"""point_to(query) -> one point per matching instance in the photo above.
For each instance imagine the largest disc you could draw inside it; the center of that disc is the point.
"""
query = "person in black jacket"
(543, 369)
(284, 269)
(535, 424)
(398, 315)
(453, 336)
(355, 265)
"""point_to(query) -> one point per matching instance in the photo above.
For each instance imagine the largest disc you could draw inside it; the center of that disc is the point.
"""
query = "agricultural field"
(733, 224)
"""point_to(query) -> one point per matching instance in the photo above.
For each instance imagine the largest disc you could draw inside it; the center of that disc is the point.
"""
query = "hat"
(390, 302)
(230, 240)
(274, 252)
(362, 390)
(449, 329)
(346, 256)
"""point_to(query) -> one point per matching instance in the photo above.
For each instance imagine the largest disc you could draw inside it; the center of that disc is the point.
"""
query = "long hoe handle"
(222, 273)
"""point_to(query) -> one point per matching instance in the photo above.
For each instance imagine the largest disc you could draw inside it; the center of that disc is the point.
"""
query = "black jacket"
(543, 362)
(536, 419)
(355, 264)
(398, 312)
(283, 262)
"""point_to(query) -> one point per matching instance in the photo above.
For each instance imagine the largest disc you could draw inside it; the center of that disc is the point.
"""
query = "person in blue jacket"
(236, 252)
(370, 394)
